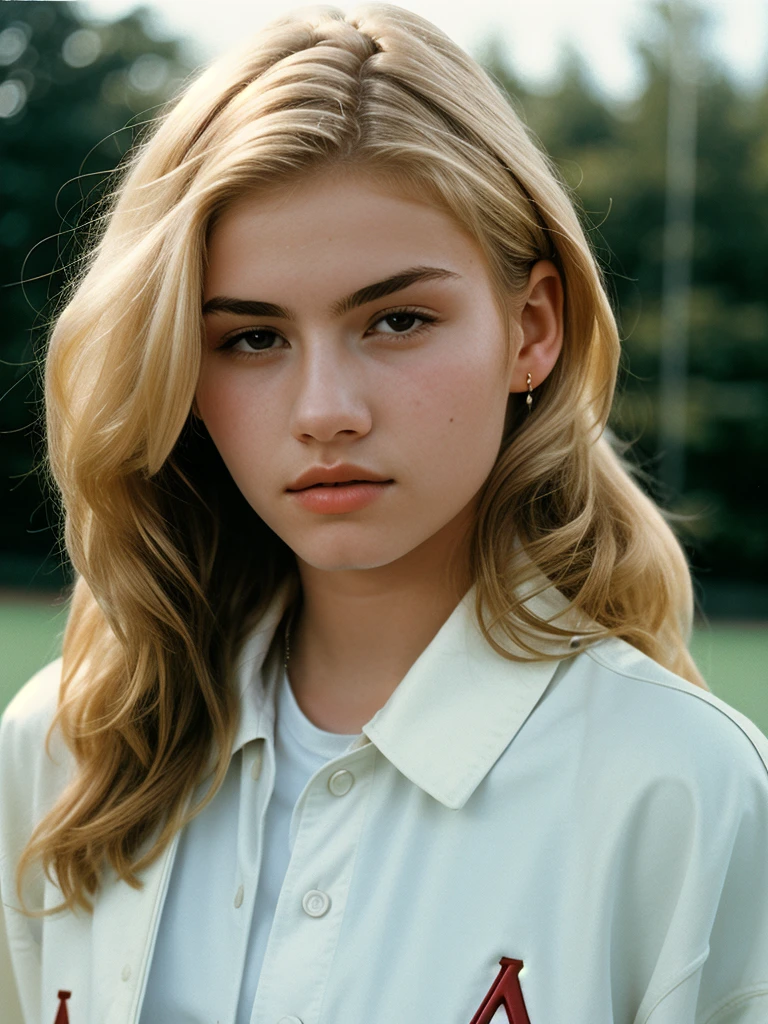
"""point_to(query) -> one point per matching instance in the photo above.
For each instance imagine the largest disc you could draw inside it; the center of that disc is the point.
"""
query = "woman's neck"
(359, 631)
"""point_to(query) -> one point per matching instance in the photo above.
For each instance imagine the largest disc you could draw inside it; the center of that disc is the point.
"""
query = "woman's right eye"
(260, 339)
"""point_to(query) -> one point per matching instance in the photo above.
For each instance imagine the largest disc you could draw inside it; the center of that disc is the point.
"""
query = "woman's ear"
(541, 326)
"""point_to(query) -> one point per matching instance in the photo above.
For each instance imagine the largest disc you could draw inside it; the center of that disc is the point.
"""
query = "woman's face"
(348, 326)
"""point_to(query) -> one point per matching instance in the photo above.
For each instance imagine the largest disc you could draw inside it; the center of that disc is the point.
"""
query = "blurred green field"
(732, 658)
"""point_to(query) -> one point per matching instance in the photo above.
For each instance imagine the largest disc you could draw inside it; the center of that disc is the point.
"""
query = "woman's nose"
(330, 397)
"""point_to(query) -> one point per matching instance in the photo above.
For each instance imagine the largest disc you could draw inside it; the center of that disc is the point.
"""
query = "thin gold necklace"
(287, 652)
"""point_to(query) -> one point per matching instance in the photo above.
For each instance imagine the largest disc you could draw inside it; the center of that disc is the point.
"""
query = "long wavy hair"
(165, 591)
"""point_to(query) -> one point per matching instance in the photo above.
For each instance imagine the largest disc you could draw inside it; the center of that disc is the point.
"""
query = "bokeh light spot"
(81, 48)
(13, 42)
(148, 73)
(13, 96)
(113, 88)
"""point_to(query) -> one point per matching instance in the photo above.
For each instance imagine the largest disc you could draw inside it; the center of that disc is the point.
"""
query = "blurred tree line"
(613, 157)
(74, 96)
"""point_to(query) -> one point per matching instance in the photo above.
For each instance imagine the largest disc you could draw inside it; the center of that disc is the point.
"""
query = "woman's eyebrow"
(244, 307)
(390, 284)
(395, 283)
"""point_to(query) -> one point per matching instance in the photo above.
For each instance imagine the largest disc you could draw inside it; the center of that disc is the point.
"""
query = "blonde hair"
(163, 598)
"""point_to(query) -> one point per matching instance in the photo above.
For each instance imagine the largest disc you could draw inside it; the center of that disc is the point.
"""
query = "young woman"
(375, 703)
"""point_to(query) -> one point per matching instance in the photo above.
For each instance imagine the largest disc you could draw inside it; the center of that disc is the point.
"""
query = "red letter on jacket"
(506, 992)
(62, 1017)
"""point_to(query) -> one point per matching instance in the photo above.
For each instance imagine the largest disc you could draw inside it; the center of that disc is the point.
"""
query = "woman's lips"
(334, 499)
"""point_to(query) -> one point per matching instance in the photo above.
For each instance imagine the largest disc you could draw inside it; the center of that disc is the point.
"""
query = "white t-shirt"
(181, 985)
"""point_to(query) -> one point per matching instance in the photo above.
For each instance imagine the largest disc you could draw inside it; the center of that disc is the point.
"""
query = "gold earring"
(529, 398)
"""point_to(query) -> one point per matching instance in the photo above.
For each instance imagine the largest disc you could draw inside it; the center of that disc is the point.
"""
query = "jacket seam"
(743, 995)
(679, 689)
(681, 978)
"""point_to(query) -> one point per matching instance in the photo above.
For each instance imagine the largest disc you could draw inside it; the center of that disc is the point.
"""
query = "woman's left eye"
(402, 321)
(257, 339)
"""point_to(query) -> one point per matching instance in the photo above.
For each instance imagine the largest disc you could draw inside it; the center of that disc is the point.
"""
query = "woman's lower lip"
(344, 498)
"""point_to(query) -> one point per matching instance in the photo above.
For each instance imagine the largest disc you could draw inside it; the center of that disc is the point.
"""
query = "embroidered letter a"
(506, 992)
(62, 1017)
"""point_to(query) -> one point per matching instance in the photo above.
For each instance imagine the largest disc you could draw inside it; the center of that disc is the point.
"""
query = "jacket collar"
(255, 686)
(459, 706)
(454, 712)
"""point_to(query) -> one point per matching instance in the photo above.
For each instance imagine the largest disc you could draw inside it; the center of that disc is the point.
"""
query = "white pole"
(678, 244)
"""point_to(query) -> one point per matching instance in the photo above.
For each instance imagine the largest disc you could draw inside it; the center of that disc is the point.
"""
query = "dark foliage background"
(86, 91)
(614, 158)
(74, 95)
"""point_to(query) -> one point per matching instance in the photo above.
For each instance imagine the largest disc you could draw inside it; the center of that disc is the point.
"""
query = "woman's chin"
(349, 557)
(346, 562)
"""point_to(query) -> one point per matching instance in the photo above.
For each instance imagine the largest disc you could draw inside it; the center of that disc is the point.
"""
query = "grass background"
(732, 657)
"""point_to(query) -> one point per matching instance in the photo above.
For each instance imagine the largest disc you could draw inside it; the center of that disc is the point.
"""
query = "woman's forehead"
(350, 222)
(373, 194)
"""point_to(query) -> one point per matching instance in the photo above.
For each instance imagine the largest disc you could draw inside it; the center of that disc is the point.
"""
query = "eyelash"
(427, 318)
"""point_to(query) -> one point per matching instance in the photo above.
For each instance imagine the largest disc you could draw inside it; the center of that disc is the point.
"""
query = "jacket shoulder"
(31, 776)
(686, 802)
(24, 761)
(34, 705)
(695, 719)
(30, 781)
(24, 728)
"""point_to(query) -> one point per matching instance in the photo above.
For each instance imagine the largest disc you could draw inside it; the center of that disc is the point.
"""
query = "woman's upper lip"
(342, 473)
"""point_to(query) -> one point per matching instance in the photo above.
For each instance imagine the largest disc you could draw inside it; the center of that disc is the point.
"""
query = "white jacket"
(598, 821)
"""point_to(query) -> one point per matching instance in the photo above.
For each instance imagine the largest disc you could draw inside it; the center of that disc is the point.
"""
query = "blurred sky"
(533, 31)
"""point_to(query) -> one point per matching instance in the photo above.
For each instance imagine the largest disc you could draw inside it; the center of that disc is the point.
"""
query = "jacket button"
(316, 903)
(256, 766)
(239, 897)
(341, 782)
(126, 973)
